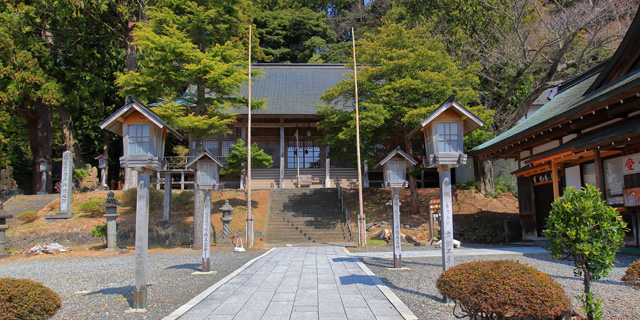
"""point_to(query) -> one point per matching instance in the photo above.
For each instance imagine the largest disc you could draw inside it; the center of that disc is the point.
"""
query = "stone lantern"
(395, 176)
(102, 164)
(443, 134)
(111, 213)
(43, 166)
(143, 138)
(207, 177)
(226, 219)
(4, 226)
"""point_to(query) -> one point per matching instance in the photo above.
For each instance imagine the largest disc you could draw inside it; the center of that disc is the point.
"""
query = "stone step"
(22, 203)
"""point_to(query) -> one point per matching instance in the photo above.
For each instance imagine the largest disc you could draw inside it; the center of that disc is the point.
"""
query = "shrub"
(130, 199)
(181, 200)
(503, 288)
(28, 216)
(100, 231)
(632, 275)
(92, 207)
(27, 299)
(584, 229)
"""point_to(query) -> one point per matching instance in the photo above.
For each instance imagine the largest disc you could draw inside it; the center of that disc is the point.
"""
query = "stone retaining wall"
(172, 238)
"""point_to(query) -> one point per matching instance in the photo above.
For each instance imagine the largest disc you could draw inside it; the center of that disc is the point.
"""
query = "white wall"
(572, 177)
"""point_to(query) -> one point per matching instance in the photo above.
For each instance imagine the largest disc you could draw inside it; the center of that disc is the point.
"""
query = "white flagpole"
(249, 216)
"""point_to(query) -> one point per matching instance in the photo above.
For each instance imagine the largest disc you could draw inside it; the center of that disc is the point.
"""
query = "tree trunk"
(39, 119)
(131, 58)
(415, 201)
(70, 140)
(486, 176)
(587, 291)
(198, 208)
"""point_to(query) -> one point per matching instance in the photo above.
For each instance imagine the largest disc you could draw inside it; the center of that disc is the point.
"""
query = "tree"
(583, 229)
(404, 76)
(524, 47)
(237, 160)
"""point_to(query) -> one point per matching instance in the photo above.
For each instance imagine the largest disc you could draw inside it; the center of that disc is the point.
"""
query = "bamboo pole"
(362, 223)
(248, 186)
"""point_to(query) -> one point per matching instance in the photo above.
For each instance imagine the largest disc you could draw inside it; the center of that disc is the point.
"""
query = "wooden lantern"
(394, 166)
(443, 132)
(207, 170)
(143, 133)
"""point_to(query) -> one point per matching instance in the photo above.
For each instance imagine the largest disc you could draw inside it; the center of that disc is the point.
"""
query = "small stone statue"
(6, 179)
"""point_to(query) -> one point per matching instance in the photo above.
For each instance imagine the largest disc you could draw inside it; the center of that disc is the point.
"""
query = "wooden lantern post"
(207, 177)
(394, 167)
(144, 135)
(443, 138)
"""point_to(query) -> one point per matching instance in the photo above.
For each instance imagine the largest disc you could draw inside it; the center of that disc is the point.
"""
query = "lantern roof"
(113, 122)
(396, 151)
(193, 163)
(471, 121)
(102, 156)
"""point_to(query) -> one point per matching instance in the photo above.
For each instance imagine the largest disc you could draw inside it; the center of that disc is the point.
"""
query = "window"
(307, 153)
(429, 145)
(226, 147)
(139, 139)
(212, 147)
(271, 148)
(613, 180)
(588, 174)
(447, 136)
(207, 171)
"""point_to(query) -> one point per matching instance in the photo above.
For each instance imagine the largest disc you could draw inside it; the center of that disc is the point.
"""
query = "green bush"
(632, 275)
(497, 289)
(79, 174)
(584, 229)
(28, 216)
(181, 200)
(27, 299)
(92, 207)
(100, 231)
(130, 199)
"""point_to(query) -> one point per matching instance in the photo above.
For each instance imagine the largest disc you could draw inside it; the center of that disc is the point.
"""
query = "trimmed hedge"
(27, 299)
(632, 275)
(28, 216)
(92, 208)
(498, 289)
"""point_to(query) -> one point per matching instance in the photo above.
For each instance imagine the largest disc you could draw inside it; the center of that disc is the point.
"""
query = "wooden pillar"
(555, 179)
(181, 180)
(599, 174)
(446, 218)
(142, 240)
(282, 153)
(327, 168)
(157, 180)
(365, 176)
(206, 228)
(166, 211)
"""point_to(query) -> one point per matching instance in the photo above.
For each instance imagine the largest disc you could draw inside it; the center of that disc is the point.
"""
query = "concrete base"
(206, 272)
(41, 193)
(111, 250)
(58, 216)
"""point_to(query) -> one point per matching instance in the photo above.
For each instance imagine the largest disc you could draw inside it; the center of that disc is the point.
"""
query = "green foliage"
(376, 242)
(92, 207)
(130, 199)
(632, 275)
(28, 216)
(237, 160)
(497, 289)
(405, 75)
(26, 299)
(182, 199)
(584, 229)
(100, 231)
(469, 185)
(80, 174)
(504, 185)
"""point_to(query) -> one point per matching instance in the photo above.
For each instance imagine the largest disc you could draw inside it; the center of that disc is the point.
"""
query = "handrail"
(345, 210)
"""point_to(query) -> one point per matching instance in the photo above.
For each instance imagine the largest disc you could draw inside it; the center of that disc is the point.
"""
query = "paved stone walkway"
(299, 283)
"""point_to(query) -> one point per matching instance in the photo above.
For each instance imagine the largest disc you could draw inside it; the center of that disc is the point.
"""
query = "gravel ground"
(417, 289)
(101, 287)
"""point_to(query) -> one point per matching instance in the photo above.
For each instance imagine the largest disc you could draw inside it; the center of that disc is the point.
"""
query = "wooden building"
(587, 133)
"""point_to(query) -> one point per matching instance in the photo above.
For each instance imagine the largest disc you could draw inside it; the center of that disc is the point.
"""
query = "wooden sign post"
(142, 240)
(446, 216)
(397, 237)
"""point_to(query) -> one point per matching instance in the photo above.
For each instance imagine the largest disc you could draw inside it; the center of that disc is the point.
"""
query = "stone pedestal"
(167, 196)
(66, 185)
(4, 226)
(111, 207)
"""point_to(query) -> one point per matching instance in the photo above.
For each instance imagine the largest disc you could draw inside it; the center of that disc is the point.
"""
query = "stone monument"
(6, 179)
(90, 181)
(65, 189)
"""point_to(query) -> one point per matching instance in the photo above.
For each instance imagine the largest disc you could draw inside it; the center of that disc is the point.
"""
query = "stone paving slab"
(457, 252)
(299, 283)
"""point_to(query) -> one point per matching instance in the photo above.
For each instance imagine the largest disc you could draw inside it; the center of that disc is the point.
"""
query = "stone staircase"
(306, 215)
(22, 203)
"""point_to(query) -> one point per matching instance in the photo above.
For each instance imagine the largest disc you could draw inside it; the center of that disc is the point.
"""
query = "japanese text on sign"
(630, 163)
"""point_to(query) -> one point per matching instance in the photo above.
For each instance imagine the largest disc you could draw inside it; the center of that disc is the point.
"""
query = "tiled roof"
(564, 104)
